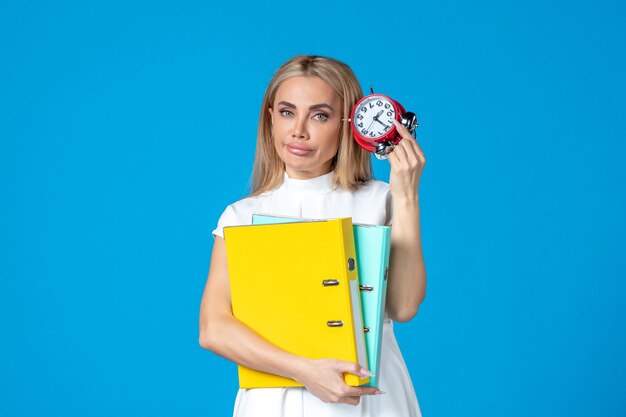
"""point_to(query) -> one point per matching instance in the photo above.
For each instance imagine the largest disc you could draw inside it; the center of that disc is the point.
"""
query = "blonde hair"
(351, 165)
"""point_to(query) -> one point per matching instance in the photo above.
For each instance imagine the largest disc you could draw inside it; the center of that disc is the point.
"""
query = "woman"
(307, 164)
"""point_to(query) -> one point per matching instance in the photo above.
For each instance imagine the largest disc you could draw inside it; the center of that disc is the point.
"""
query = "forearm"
(323, 377)
(406, 287)
(230, 338)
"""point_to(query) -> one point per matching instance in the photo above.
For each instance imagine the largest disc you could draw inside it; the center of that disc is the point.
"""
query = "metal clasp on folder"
(351, 264)
(366, 288)
(330, 282)
(366, 329)
(334, 323)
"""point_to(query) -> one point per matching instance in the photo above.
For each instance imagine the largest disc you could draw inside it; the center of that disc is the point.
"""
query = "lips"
(298, 149)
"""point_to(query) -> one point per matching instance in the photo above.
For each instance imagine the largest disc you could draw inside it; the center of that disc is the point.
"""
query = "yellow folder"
(296, 285)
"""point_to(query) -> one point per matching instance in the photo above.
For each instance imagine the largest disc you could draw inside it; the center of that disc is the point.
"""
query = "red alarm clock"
(372, 125)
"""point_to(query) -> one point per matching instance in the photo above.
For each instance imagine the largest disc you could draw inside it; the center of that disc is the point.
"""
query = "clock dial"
(374, 116)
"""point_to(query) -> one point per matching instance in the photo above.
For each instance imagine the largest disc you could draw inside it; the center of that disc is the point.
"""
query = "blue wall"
(126, 128)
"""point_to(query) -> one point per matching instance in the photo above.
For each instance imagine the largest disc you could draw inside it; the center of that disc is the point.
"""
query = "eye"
(285, 113)
(321, 117)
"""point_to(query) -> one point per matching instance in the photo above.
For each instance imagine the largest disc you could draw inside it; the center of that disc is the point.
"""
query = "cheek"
(332, 138)
(280, 128)
(277, 143)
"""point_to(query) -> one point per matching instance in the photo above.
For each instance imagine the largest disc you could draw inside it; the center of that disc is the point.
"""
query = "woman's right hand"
(324, 379)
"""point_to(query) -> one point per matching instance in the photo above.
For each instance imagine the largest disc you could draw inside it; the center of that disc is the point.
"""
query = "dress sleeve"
(228, 218)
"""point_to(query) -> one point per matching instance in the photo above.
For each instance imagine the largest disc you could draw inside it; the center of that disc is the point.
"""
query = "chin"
(299, 163)
(308, 165)
(298, 168)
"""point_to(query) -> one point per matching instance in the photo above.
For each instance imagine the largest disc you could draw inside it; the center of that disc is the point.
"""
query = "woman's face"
(306, 126)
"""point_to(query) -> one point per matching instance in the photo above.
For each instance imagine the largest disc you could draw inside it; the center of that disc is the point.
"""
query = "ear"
(269, 110)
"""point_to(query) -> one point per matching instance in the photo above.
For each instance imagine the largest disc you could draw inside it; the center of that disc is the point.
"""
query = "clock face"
(373, 117)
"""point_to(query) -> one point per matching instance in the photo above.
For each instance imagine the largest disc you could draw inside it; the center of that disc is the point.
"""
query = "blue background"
(127, 127)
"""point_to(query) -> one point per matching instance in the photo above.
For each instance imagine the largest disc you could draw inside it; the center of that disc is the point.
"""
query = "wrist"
(405, 201)
(299, 367)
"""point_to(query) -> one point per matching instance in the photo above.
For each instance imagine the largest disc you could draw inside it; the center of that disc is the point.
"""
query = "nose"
(299, 130)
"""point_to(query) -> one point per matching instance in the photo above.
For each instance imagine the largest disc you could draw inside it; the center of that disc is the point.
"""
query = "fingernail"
(366, 372)
(378, 392)
(395, 122)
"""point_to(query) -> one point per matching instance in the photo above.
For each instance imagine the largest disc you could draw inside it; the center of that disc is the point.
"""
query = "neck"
(305, 175)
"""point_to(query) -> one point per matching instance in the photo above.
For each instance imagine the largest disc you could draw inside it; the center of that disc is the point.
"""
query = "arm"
(226, 336)
(406, 288)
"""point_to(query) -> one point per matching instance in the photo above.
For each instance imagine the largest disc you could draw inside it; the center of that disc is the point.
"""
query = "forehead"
(306, 91)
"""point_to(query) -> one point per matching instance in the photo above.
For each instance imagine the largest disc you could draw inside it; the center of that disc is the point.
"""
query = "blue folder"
(372, 245)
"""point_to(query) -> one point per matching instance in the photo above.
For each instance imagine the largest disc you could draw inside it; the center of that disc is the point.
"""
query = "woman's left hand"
(407, 162)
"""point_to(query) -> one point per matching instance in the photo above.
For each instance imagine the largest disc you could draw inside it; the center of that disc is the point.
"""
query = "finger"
(352, 368)
(408, 146)
(411, 151)
(393, 159)
(401, 153)
(418, 150)
(415, 145)
(360, 391)
(403, 131)
(350, 400)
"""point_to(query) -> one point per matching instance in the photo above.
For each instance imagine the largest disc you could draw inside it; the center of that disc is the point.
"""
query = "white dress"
(316, 199)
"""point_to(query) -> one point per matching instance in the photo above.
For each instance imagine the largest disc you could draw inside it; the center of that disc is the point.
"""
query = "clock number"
(360, 124)
(386, 128)
(371, 134)
(371, 105)
(364, 131)
(387, 105)
(360, 117)
(364, 109)
(389, 113)
(379, 103)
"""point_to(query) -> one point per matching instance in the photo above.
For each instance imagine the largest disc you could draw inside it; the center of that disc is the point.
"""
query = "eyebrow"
(313, 107)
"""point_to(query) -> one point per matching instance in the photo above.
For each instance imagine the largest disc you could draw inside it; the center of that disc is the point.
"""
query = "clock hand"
(368, 128)
(381, 123)
(376, 119)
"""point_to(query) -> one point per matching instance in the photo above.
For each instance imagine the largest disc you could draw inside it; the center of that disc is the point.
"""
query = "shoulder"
(375, 196)
(239, 213)
(244, 205)
(373, 189)
(374, 185)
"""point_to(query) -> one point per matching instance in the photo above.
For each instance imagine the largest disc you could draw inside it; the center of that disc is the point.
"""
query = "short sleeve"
(228, 218)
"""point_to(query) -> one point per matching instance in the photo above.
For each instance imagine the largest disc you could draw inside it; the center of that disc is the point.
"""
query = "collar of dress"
(312, 186)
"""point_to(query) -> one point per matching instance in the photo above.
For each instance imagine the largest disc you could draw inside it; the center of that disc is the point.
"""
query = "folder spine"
(355, 301)
(379, 291)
